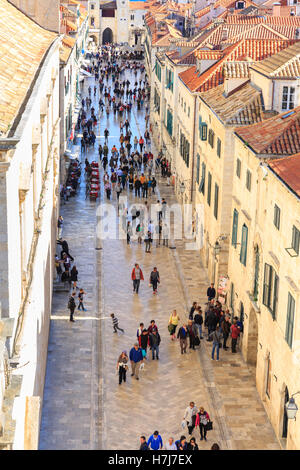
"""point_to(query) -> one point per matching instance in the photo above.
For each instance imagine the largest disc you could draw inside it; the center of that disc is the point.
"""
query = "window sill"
(253, 302)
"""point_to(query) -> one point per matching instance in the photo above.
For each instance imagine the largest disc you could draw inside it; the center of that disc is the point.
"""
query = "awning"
(84, 72)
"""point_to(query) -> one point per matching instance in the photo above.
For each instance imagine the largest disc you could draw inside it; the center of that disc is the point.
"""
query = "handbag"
(209, 426)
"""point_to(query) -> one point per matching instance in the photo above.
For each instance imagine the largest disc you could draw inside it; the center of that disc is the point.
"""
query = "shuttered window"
(209, 188)
(244, 241)
(271, 289)
(216, 204)
(289, 330)
(235, 220)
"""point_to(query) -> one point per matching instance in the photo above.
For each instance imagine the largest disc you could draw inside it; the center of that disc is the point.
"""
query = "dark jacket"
(144, 446)
(182, 333)
(212, 320)
(74, 275)
(144, 340)
(198, 319)
(211, 293)
(226, 327)
(190, 447)
(154, 340)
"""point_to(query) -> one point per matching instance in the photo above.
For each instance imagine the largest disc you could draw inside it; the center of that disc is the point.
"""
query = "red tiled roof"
(253, 49)
(288, 170)
(278, 135)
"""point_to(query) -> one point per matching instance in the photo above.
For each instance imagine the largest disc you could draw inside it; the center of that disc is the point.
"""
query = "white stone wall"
(35, 160)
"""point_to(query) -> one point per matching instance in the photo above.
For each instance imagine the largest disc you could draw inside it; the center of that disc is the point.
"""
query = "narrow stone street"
(84, 407)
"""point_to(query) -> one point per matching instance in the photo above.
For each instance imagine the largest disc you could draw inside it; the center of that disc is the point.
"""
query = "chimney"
(276, 9)
(224, 34)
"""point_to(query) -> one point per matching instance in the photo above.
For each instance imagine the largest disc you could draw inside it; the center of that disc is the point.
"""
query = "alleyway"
(84, 407)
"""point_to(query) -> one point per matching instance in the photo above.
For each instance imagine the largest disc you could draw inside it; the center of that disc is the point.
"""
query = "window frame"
(276, 218)
(290, 320)
(244, 245)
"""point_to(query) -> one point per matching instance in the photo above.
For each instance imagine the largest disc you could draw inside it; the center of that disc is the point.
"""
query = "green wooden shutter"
(234, 227)
(216, 204)
(244, 240)
(198, 169)
(289, 330)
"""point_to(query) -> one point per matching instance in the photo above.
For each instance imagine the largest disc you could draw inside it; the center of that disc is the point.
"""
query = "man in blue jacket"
(136, 358)
(155, 441)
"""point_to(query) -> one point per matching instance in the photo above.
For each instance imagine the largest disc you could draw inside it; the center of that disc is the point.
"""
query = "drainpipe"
(193, 149)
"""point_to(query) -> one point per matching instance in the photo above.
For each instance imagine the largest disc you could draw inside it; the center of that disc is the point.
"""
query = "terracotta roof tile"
(242, 107)
(23, 45)
(246, 49)
(278, 135)
(288, 170)
(285, 64)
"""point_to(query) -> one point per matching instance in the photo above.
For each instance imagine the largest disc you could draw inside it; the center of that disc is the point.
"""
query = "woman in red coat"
(137, 277)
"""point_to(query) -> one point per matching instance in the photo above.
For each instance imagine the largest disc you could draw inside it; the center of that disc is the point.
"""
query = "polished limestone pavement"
(84, 406)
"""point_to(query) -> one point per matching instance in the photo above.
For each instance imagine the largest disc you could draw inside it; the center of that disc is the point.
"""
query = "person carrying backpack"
(154, 279)
(72, 306)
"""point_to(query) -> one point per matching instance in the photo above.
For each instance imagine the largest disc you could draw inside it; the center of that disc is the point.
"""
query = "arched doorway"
(107, 36)
(285, 418)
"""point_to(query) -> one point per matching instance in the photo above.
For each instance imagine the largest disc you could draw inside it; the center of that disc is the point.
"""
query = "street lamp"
(291, 407)
(182, 187)
(217, 248)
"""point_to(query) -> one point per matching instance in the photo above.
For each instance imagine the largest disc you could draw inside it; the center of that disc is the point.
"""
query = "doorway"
(107, 36)
(285, 417)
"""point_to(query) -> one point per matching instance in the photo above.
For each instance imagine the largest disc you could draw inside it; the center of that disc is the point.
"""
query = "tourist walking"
(182, 335)
(74, 276)
(216, 338)
(136, 359)
(170, 445)
(144, 445)
(235, 332)
(198, 320)
(173, 322)
(72, 306)
(211, 292)
(192, 445)
(136, 276)
(190, 416)
(80, 298)
(154, 340)
(226, 325)
(154, 279)
(122, 366)
(202, 420)
(193, 333)
(155, 441)
(115, 323)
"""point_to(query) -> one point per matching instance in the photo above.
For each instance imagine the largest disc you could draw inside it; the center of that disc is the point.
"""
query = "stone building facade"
(264, 264)
(29, 195)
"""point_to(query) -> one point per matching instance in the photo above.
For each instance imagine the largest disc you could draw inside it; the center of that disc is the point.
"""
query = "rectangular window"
(219, 147)
(216, 204)
(211, 138)
(209, 188)
(234, 227)
(276, 217)
(289, 329)
(269, 377)
(288, 98)
(232, 297)
(238, 168)
(170, 123)
(202, 182)
(248, 180)
(198, 169)
(244, 241)
(295, 239)
(270, 291)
